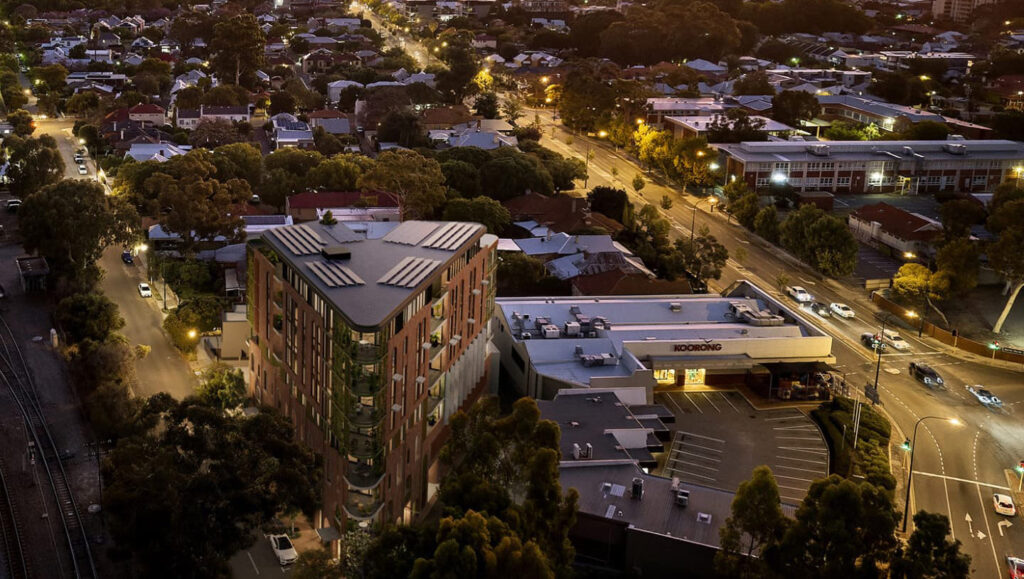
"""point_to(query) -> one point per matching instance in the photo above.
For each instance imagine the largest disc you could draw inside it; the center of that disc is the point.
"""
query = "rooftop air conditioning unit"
(638, 488)
(818, 150)
(675, 307)
(550, 331)
(682, 498)
(955, 148)
(572, 328)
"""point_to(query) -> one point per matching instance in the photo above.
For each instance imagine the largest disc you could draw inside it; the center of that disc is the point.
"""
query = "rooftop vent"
(818, 150)
(638, 488)
(704, 518)
(335, 252)
(675, 307)
(955, 148)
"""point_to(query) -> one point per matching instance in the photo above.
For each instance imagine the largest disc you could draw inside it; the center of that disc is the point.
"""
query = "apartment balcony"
(365, 352)
(363, 476)
(362, 506)
(364, 416)
(366, 385)
(363, 445)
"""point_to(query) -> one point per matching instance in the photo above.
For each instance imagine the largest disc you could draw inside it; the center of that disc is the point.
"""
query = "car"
(799, 294)
(1016, 565)
(895, 340)
(871, 341)
(283, 549)
(984, 396)
(126, 256)
(820, 309)
(255, 200)
(145, 291)
(82, 170)
(1003, 505)
(842, 310)
(925, 373)
(13, 205)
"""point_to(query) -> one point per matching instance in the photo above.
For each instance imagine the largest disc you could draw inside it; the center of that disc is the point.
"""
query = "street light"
(910, 473)
(192, 334)
(909, 255)
(920, 326)
(602, 134)
(712, 201)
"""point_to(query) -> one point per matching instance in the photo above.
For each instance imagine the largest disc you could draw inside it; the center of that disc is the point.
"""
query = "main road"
(956, 468)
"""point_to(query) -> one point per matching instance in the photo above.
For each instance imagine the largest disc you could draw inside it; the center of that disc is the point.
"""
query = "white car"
(895, 340)
(82, 170)
(283, 549)
(1003, 505)
(799, 294)
(984, 396)
(145, 291)
(841, 310)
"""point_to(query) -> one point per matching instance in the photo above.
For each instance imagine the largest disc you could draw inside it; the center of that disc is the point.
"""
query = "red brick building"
(369, 342)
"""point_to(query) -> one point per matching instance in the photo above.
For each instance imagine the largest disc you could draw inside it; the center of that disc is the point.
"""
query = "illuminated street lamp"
(192, 334)
(713, 166)
(910, 473)
(641, 121)
(544, 80)
(924, 78)
(602, 134)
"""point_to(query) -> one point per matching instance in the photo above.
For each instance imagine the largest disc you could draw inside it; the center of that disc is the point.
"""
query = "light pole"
(712, 201)
(910, 471)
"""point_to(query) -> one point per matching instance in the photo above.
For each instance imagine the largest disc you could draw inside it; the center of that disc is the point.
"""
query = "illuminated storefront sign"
(712, 347)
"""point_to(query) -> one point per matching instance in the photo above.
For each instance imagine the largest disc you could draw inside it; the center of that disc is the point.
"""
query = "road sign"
(1013, 351)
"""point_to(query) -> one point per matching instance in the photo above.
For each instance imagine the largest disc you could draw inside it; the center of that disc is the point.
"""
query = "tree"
(83, 103)
(736, 126)
(486, 105)
(666, 202)
(462, 177)
(792, 106)
(916, 284)
(88, 316)
(512, 109)
(766, 223)
(200, 209)
(1009, 213)
(753, 83)
(317, 564)
(50, 77)
(613, 203)
(822, 241)
(638, 183)
(71, 223)
(929, 553)
(746, 209)
(704, 257)
(842, 529)
(212, 133)
(236, 49)
(33, 164)
(511, 173)
(190, 489)
(222, 387)
(402, 127)
(281, 102)
(958, 216)
(1006, 257)
(455, 82)
(958, 261)
(926, 131)
(418, 181)
(21, 122)
(483, 210)
(238, 161)
(189, 97)
(340, 173)
(756, 522)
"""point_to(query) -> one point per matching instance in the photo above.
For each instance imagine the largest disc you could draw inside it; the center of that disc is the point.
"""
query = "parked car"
(255, 200)
(820, 309)
(126, 256)
(842, 310)
(13, 205)
(1016, 565)
(283, 549)
(984, 396)
(145, 291)
(871, 341)
(925, 373)
(799, 294)
(1003, 505)
(895, 340)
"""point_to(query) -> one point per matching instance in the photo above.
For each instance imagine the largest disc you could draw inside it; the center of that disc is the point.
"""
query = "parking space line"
(800, 459)
(729, 402)
(681, 461)
(707, 448)
(815, 471)
(792, 488)
(253, 561)
(801, 427)
(697, 455)
(684, 473)
(819, 450)
(700, 436)
(790, 417)
(676, 404)
(687, 396)
(797, 438)
(710, 401)
(793, 478)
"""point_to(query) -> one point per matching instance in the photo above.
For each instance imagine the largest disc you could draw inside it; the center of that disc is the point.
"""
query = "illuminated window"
(694, 377)
(665, 376)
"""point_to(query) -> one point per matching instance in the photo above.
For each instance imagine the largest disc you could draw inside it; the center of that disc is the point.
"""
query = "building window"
(694, 377)
(843, 181)
(665, 376)
(827, 181)
(762, 182)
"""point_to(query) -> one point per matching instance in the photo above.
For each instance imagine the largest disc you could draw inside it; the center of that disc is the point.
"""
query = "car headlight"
(927, 380)
(938, 380)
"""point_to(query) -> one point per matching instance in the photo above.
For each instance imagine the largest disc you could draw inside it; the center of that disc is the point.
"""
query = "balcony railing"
(366, 385)
(363, 476)
(363, 445)
(364, 416)
(365, 352)
(362, 506)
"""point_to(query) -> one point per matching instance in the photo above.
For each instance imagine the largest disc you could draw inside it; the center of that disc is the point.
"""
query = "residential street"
(956, 469)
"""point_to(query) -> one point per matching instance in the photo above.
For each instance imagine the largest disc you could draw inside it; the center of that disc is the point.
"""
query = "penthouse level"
(548, 344)
(953, 165)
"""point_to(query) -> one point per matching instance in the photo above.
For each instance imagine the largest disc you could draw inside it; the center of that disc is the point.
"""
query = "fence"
(949, 338)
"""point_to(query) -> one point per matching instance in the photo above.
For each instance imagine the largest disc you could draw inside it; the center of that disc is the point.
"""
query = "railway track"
(10, 531)
(15, 376)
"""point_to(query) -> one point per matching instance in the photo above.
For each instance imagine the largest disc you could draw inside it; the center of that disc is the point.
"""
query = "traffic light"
(1020, 467)
(994, 345)
(906, 446)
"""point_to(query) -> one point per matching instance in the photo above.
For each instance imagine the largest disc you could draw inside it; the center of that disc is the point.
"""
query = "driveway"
(164, 369)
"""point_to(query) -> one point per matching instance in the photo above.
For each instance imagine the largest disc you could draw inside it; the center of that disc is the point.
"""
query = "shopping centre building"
(743, 337)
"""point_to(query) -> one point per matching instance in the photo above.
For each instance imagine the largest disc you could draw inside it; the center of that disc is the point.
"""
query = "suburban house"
(189, 118)
(894, 231)
(148, 114)
(565, 213)
(158, 152)
(288, 131)
(332, 121)
(344, 206)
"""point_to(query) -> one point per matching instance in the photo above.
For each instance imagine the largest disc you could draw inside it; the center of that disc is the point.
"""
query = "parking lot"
(718, 439)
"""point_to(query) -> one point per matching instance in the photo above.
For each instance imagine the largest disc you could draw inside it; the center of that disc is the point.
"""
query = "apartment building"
(959, 11)
(370, 336)
(875, 166)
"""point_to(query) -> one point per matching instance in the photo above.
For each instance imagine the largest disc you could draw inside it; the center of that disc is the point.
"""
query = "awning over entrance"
(328, 534)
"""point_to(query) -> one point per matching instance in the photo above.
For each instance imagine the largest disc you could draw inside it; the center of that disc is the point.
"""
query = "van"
(894, 339)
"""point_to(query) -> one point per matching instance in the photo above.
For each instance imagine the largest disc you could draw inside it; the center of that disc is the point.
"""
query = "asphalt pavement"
(956, 468)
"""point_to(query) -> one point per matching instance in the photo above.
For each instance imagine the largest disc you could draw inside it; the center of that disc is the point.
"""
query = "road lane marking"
(676, 404)
(984, 515)
(253, 561)
(963, 480)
